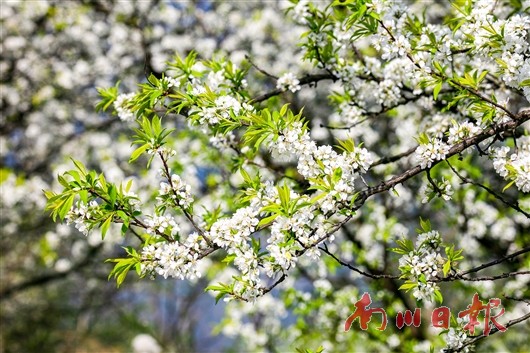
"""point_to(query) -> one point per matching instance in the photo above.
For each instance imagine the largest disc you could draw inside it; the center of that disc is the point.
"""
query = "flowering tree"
(413, 117)
(54, 53)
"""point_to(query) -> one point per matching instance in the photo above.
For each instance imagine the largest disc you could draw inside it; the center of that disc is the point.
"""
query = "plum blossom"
(288, 81)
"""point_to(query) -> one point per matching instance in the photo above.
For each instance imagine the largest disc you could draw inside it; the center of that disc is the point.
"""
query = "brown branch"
(495, 262)
(371, 275)
(306, 80)
(260, 69)
(455, 149)
(514, 205)
(527, 301)
(479, 279)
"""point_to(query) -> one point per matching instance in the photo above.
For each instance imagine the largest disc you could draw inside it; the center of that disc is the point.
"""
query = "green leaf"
(447, 267)
(407, 286)
(138, 152)
(525, 83)
(66, 206)
(80, 167)
(229, 258)
(267, 220)
(437, 89)
(112, 194)
(438, 296)
(105, 226)
(508, 185)
(425, 225)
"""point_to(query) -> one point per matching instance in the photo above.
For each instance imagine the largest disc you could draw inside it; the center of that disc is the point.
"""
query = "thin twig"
(306, 80)
(390, 159)
(495, 262)
(371, 275)
(260, 69)
(527, 301)
(465, 180)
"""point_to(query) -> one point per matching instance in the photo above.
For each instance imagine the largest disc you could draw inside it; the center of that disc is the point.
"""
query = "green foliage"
(320, 349)
(124, 265)
(108, 96)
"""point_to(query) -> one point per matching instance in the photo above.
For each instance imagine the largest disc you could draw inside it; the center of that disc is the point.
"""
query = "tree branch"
(455, 149)
(374, 276)
(306, 80)
(465, 180)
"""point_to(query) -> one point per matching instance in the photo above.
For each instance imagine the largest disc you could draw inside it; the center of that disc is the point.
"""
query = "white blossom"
(435, 150)
(288, 81)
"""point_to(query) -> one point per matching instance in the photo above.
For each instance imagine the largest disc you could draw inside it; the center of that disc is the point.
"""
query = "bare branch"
(306, 80)
(371, 275)
(514, 205)
(495, 262)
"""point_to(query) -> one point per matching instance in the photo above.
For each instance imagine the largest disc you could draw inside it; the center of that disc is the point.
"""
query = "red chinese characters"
(440, 316)
(365, 314)
(475, 308)
(408, 318)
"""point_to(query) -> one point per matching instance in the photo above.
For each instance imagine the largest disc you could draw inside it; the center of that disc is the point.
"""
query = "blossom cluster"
(455, 340)
(159, 224)
(174, 259)
(288, 81)
(221, 110)
(434, 150)
(177, 191)
(82, 215)
(442, 189)
(121, 106)
(459, 131)
(266, 235)
(317, 161)
(511, 58)
(423, 264)
(517, 166)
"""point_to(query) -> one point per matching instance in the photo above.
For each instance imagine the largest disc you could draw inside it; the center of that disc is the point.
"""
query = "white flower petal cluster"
(424, 260)
(431, 238)
(460, 131)
(295, 141)
(512, 58)
(81, 215)
(160, 224)
(234, 235)
(224, 105)
(169, 82)
(424, 291)
(120, 105)
(400, 47)
(236, 230)
(444, 189)
(435, 150)
(517, 166)
(303, 226)
(455, 339)
(174, 259)
(288, 81)
(177, 190)
(300, 12)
